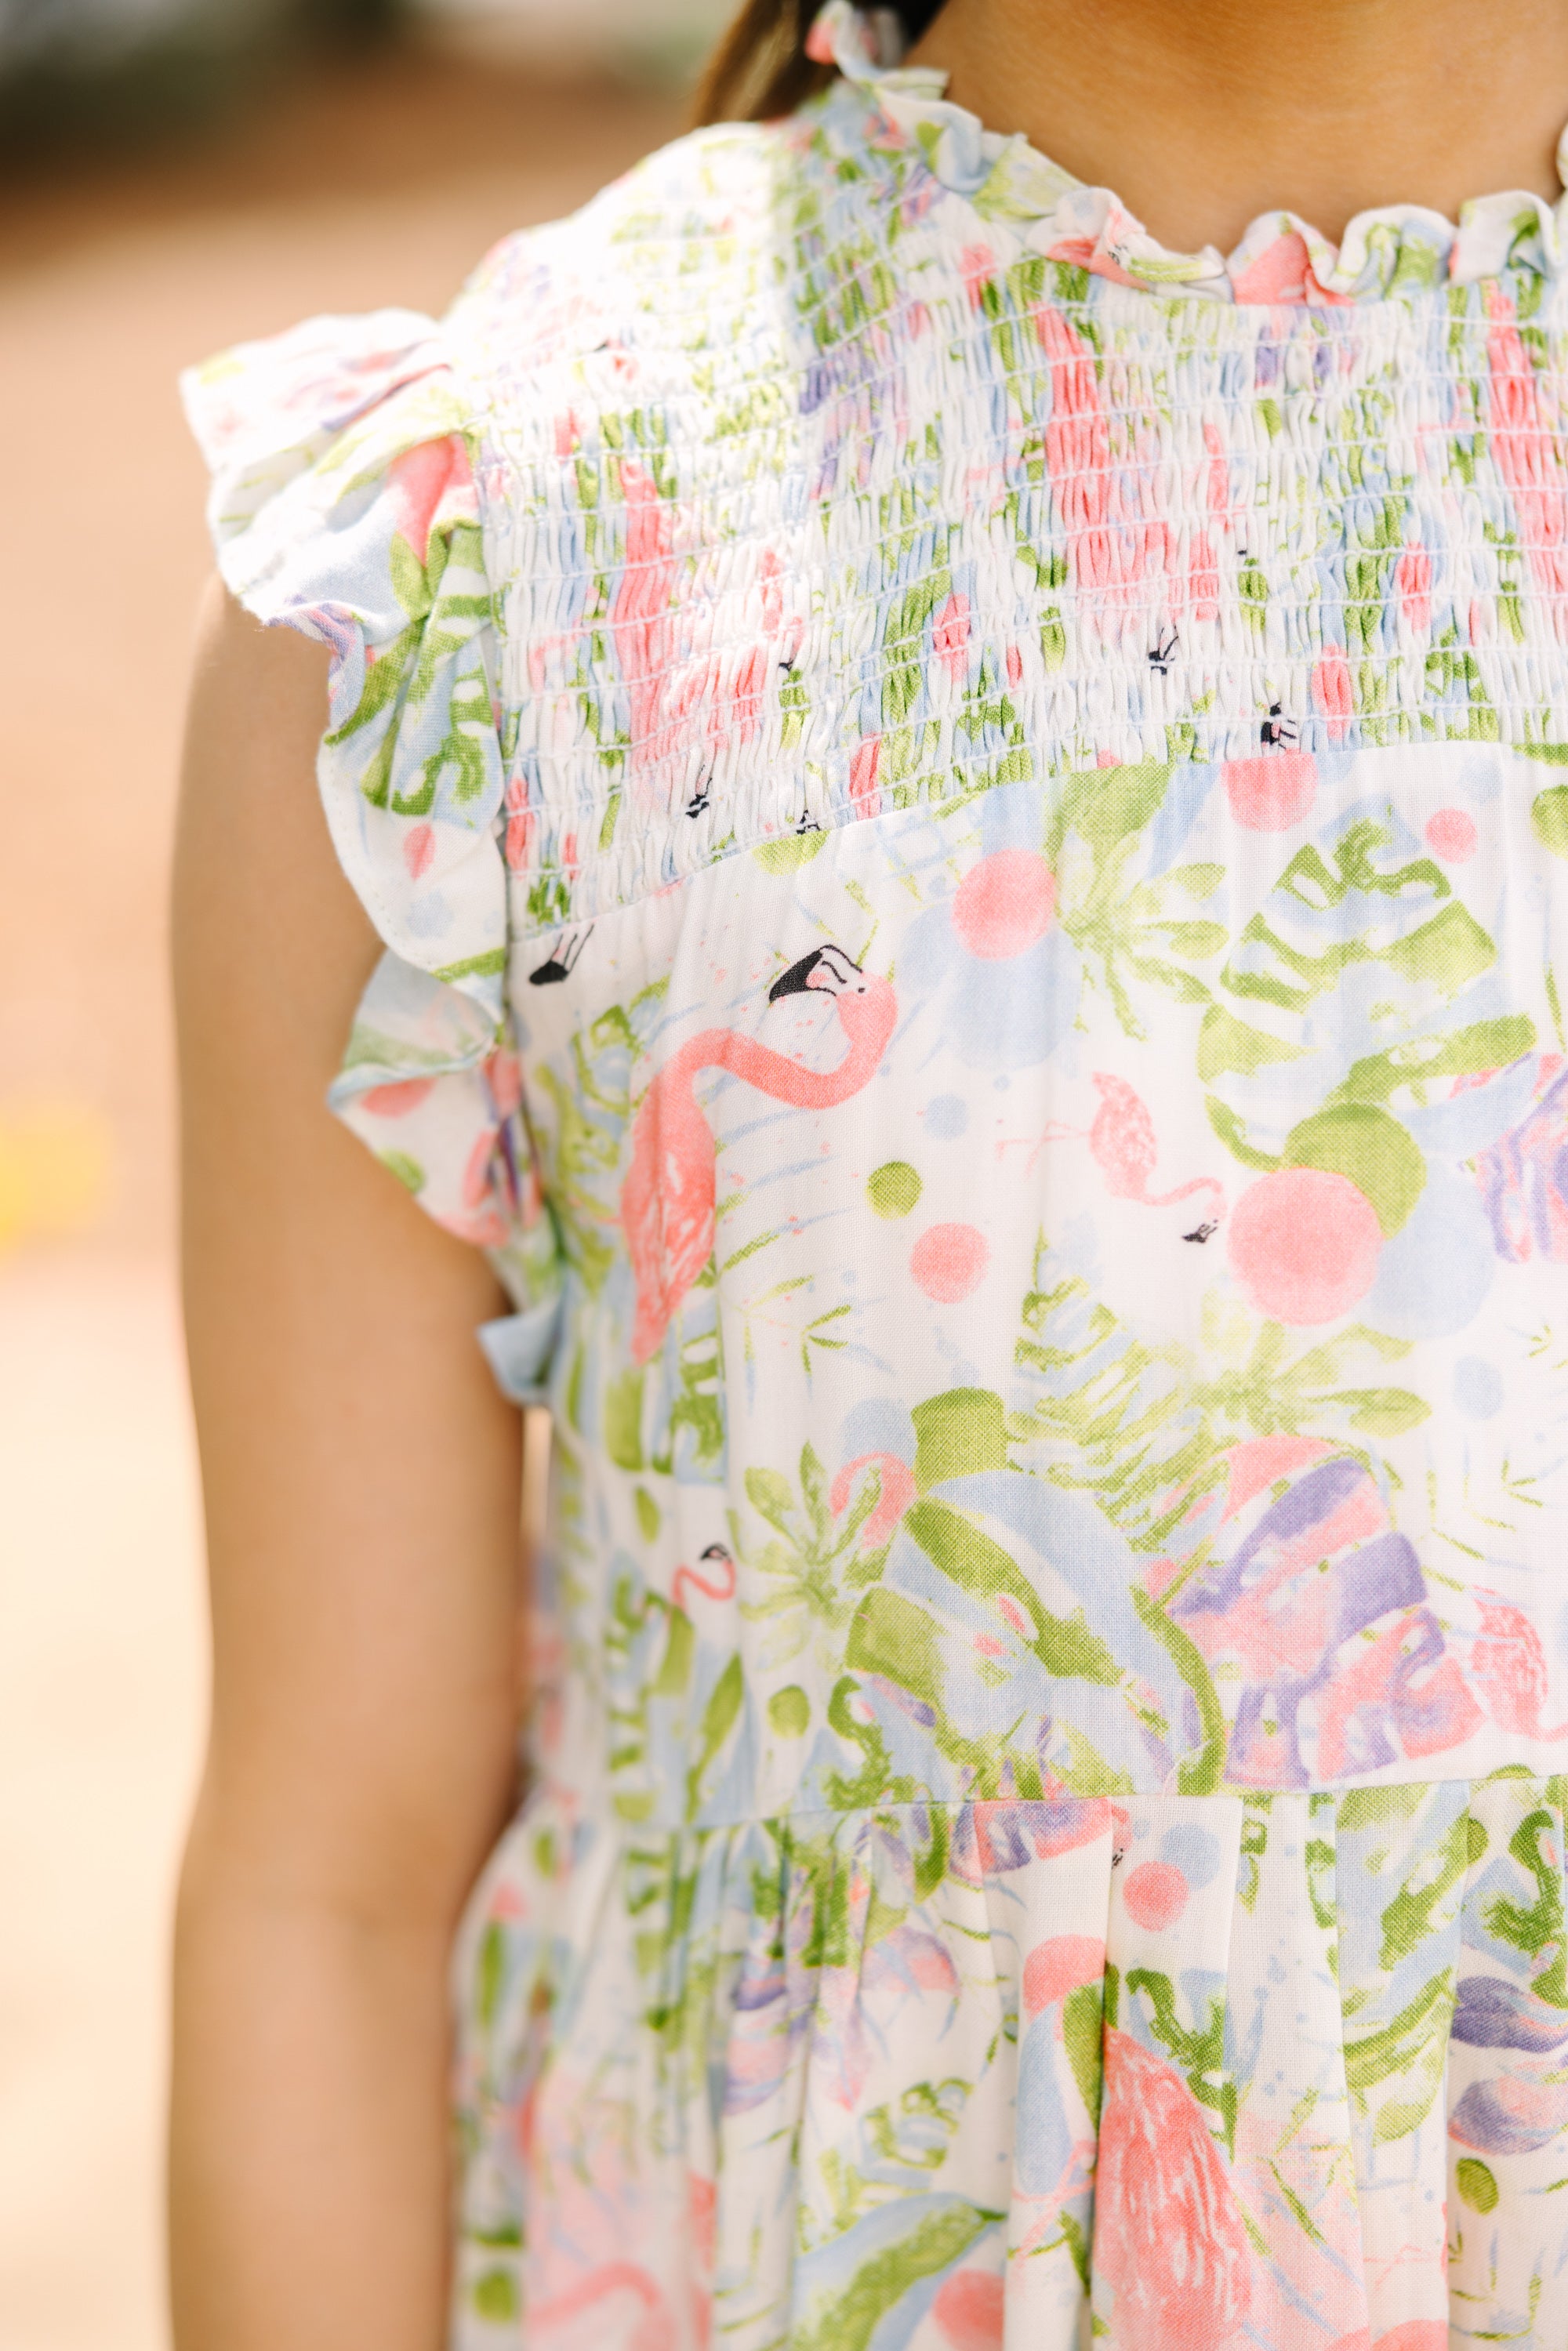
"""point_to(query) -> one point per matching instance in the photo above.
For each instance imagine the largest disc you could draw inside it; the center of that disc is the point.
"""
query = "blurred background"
(175, 174)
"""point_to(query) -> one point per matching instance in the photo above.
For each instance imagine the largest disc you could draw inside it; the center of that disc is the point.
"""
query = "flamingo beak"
(798, 978)
(802, 976)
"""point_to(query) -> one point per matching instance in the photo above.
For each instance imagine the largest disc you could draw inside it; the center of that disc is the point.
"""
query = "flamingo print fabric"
(966, 818)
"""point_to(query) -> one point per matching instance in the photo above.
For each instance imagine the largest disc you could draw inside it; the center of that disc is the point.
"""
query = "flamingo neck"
(780, 1075)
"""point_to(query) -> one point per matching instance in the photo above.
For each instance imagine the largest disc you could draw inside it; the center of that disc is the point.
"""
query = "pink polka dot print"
(948, 1261)
(1451, 835)
(1004, 904)
(419, 850)
(1272, 793)
(970, 2310)
(1155, 1895)
(1304, 1244)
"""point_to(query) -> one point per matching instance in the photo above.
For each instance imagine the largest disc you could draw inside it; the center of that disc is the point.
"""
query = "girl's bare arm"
(361, 1478)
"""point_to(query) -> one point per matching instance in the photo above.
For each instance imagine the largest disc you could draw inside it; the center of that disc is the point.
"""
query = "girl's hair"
(760, 68)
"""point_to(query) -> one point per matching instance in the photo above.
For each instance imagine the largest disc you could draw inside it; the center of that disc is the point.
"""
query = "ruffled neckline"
(1280, 258)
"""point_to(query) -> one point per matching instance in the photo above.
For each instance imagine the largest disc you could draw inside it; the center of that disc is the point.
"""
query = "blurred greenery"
(85, 85)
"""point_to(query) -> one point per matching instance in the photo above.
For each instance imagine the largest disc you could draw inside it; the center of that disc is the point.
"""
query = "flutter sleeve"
(343, 505)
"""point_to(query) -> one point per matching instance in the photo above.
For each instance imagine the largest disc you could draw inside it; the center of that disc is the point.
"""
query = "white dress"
(967, 819)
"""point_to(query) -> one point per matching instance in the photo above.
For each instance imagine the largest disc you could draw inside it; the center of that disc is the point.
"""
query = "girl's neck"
(1201, 114)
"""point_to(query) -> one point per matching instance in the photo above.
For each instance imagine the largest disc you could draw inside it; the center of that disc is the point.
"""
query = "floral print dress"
(970, 823)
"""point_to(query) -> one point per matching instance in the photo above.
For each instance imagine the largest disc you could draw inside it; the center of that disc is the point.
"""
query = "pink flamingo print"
(1507, 1665)
(898, 1490)
(1401, 1677)
(723, 1568)
(1113, 545)
(1077, 442)
(1171, 2242)
(421, 478)
(1528, 454)
(667, 1199)
(640, 615)
(1126, 1153)
(653, 2331)
(1125, 1149)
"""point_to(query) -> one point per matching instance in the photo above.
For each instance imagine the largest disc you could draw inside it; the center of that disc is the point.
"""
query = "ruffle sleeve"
(344, 504)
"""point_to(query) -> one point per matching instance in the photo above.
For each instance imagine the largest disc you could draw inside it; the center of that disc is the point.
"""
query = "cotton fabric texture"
(969, 818)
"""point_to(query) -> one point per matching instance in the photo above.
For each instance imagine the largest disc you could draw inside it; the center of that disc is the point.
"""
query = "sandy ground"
(338, 190)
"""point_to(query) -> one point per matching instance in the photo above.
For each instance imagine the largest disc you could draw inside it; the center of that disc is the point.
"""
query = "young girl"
(946, 825)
